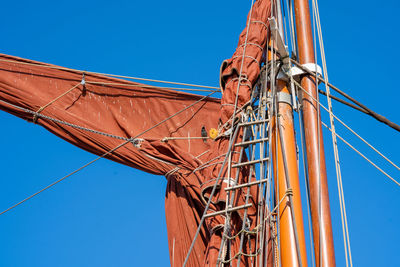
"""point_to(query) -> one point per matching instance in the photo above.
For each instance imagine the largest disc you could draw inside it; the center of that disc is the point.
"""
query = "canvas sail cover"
(97, 113)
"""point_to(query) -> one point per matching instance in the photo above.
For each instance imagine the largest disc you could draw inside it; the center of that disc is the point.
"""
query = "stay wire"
(362, 155)
(103, 155)
(65, 177)
(369, 112)
(396, 182)
(319, 189)
(107, 74)
(345, 229)
(39, 115)
(354, 132)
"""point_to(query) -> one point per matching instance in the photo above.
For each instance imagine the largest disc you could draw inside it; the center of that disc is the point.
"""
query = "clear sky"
(112, 215)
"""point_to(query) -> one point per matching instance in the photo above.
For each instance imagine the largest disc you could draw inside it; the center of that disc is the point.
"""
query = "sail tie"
(82, 82)
(171, 172)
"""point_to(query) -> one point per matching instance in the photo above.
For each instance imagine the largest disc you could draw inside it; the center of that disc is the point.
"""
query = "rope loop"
(289, 192)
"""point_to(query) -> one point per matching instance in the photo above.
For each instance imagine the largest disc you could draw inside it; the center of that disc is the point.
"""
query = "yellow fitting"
(213, 133)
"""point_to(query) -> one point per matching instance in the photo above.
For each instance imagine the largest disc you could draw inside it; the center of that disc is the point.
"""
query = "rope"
(238, 256)
(151, 86)
(209, 200)
(166, 139)
(259, 46)
(64, 122)
(246, 56)
(35, 117)
(355, 149)
(65, 177)
(276, 246)
(344, 102)
(251, 115)
(198, 156)
(241, 64)
(171, 172)
(362, 155)
(132, 139)
(370, 112)
(319, 136)
(267, 106)
(351, 130)
(286, 170)
(343, 214)
(202, 166)
(289, 192)
(272, 78)
(110, 75)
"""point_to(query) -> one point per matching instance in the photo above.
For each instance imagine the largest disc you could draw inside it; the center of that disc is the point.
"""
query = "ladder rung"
(249, 162)
(245, 185)
(248, 123)
(228, 210)
(252, 142)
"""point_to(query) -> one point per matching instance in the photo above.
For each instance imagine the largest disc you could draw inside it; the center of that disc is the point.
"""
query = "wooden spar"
(286, 173)
(316, 169)
(288, 252)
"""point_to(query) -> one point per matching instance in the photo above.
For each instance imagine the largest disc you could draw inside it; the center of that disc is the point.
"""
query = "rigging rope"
(65, 177)
(151, 86)
(362, 155)
(319, 136)
(209, 200)
(352, 147)
(127, 140)
(110, 75)
(343, 102)
(353, 131)
(39, 115)
(343, 214)
(54, 100)
(370, 112)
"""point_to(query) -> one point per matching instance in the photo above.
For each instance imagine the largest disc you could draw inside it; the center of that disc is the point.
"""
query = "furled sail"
(97, 113)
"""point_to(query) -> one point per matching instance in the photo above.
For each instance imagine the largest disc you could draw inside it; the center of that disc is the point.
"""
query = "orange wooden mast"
(319, 197)
(285, 157)
(286, 173)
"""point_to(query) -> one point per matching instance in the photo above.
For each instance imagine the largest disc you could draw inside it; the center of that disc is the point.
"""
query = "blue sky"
(112, 215)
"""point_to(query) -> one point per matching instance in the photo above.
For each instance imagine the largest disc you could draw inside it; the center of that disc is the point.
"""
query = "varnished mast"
(292, 238)
(319, 197)
(284, 154)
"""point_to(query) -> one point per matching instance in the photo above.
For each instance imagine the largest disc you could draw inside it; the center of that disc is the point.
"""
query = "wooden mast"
(319, 198)
(290, 228)
(293, 250)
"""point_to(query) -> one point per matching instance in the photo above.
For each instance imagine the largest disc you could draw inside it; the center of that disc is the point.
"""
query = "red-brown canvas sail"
(122, 109)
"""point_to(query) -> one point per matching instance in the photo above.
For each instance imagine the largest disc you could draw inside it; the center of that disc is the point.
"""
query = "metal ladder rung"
(248, 123)
(228, 210)
(252, 142)
(249, 162)
(246, 185)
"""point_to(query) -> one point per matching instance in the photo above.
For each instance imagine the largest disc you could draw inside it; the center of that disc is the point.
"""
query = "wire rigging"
(103, 155)
(370, 112)
(107, 74)
(299, 86)
(345, 229)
